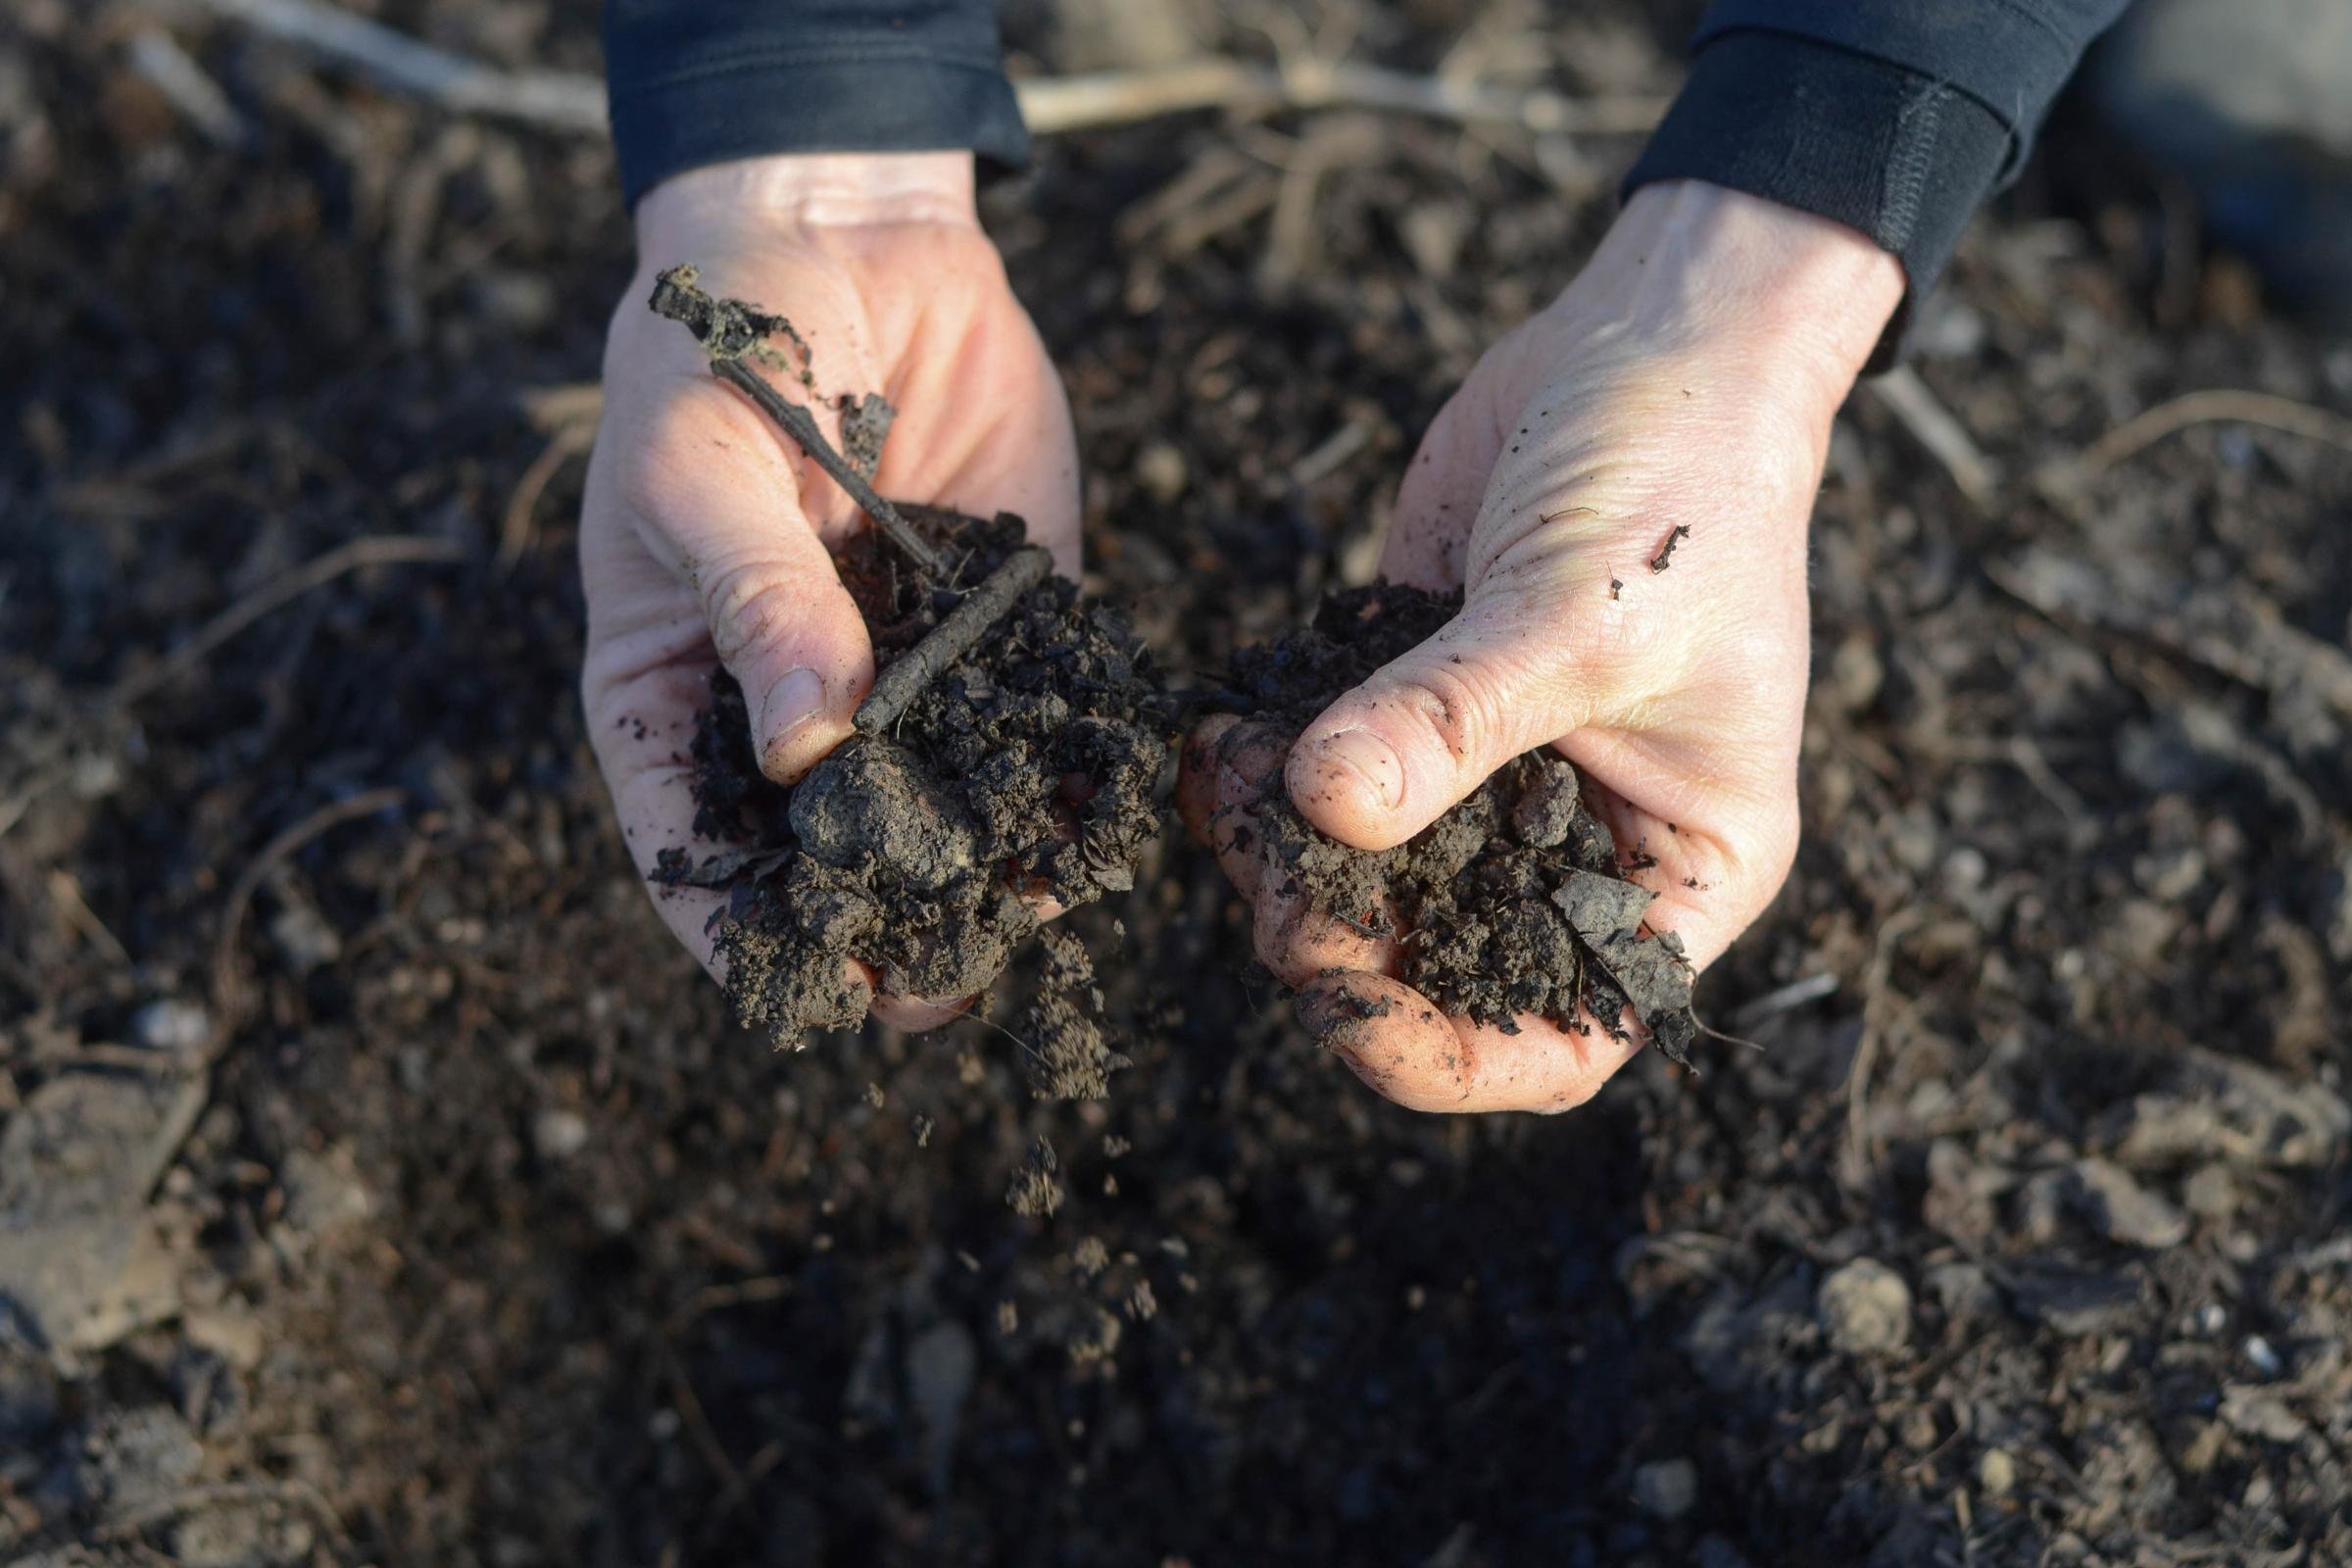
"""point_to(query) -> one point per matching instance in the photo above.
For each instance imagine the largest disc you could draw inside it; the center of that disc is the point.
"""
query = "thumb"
(793, 639)
(726, 509)
(1393, 755)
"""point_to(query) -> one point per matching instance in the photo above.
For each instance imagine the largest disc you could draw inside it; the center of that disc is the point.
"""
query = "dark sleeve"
(701, 81)
(1895, 117)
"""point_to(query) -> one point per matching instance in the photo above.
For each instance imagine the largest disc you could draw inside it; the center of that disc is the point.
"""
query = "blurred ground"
(485, 1239)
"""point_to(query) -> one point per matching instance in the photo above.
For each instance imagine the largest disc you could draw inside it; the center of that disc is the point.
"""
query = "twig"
(1861, 1165)
(558, 100)
(157, 56)
(383, 551)
(729, 330)
(567, 101)
(1946, 438)
(1786, 998)
(2262, 409)
(981, 609)
(797, 422)
(1052, 105)
(514, 527)
(227, 994)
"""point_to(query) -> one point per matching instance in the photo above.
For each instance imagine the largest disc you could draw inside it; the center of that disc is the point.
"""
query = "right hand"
(704, 531)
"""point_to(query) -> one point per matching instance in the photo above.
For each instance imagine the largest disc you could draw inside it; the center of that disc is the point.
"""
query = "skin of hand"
(1685, 380)
(703, 529)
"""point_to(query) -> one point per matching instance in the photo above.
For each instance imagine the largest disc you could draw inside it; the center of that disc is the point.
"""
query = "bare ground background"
(405, 1196)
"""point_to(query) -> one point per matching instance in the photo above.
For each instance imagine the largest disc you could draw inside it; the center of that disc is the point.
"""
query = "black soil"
(1512, 905)
(1027, 768)
(495, 1243)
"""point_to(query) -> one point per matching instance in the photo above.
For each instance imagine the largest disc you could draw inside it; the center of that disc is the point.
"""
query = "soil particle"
(1666, 1490)
(1028, 768)
(1511, 905)
(1066, 1056)
(1036, 1189)
(2122, 1210)
(1865, 1308)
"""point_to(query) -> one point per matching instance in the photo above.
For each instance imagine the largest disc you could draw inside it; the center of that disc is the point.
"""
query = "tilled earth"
(381, 1184)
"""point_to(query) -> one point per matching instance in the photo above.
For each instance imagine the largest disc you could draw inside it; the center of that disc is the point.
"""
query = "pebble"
(2211, 1192)
(1996, 1472)
(1160, 469)
(1667, 1489)
(176, 1027)
(2121, 1210)
(558, 1134)
(1865, 1308)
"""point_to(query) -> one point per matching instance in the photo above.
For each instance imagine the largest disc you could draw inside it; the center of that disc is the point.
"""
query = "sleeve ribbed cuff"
(692, 84)
(1901, 157)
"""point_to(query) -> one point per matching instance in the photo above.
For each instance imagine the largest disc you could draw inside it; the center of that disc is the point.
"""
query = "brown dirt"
(1029, 768)
(1511, 905)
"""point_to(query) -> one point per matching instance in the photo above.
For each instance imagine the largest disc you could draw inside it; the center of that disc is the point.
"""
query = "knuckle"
(747, 604)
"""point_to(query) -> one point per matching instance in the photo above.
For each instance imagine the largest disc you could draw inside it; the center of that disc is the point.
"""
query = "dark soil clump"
(1511, 905)
(1028, 768)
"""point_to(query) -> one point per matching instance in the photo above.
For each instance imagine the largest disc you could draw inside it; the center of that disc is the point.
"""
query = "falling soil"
(1027, 768)
(1514, 903)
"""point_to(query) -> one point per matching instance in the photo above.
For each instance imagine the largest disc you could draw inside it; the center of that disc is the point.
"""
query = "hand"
(704, 531)
(1680, 393)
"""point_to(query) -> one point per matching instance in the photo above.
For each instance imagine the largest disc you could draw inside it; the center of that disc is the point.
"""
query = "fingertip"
(1350, 782)
(1197, 773)
(1391, 1036)
(916, 1016)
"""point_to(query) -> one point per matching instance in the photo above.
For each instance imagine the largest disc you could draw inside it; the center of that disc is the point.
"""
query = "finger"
(914, 1015)
(719, 502)
(1397, 1041)
(1390, 757)
(1226, 795)
(1197, 773)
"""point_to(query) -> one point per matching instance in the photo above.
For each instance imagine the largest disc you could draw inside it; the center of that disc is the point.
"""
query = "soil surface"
(1027, 768)
(1512, 903)
(423, 1205)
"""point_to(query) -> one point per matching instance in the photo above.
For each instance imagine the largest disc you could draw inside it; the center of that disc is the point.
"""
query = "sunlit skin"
(704, 531)
(1685, 381)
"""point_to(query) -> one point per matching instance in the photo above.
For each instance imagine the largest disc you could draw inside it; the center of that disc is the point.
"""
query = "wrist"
(1798, 300)
(809, 190)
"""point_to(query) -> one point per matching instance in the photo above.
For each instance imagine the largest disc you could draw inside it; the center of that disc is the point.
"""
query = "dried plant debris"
(1511, 905)
(1010, 752)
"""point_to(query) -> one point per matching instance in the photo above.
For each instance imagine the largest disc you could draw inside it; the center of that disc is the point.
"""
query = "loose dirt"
(1512, 905)
(1027, 768)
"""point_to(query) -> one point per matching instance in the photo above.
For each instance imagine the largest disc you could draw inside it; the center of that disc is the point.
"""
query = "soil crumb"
(1511, 905)
(1029, 768)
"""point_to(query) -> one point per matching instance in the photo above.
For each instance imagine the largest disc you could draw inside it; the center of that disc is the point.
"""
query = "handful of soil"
(1010, 751)
(1515, 903)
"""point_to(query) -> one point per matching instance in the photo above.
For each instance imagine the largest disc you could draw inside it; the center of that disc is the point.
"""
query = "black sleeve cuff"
(696, 83)
(1903, 158)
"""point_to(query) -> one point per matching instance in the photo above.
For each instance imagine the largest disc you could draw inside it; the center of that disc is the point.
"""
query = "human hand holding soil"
(1621, 489)
(705, 533)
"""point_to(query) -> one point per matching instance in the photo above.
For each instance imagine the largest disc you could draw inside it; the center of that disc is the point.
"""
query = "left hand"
(1680, 389)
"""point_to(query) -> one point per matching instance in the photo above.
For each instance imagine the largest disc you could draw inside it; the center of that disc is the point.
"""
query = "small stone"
(558, 1133)
(1162, 470)
(1964, 1290)
(176, 1027)
(324, 1191)
(2211, 1192)
(1996, 1472)
(2259, 1413)
(1667, 1489)
(2121, 1210)
(1865, 1308)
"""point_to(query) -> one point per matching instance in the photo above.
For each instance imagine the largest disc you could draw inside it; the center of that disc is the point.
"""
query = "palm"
(700, 521)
